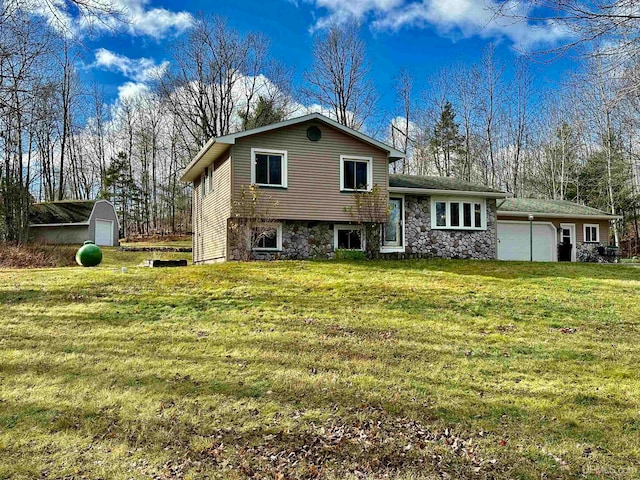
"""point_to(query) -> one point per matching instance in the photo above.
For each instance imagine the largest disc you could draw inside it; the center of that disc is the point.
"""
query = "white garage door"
(514, 241)
(104, 233)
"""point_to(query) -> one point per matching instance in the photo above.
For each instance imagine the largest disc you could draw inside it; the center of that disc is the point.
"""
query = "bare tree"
(339, 77)
(400, 130)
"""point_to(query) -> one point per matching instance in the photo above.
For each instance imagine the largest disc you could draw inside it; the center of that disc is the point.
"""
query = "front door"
(393, 226)
(567, 249)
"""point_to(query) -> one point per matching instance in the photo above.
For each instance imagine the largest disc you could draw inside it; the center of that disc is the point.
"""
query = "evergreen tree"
(446, 142)
(122, 190)
(265, 113)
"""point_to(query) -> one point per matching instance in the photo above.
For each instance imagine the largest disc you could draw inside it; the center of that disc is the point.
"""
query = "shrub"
(36, 256)
(349, 255)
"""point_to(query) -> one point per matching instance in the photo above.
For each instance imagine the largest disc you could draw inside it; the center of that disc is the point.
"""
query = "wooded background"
(488, 122)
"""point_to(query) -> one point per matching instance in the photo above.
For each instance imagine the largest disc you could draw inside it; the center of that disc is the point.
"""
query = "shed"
(74, 221)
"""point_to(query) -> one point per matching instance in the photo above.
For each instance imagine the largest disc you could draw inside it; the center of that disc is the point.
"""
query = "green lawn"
(321, 369)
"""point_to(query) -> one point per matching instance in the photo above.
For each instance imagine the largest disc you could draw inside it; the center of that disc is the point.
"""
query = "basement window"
(347, 237)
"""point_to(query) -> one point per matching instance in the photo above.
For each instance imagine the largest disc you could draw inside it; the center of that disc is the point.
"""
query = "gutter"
(460, 193)
(507, 213)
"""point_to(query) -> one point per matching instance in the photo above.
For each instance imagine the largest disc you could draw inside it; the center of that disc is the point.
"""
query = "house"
(310, 169)
(73, 222)
(554, 223)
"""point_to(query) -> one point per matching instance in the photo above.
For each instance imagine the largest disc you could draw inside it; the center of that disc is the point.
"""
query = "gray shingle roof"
(436, 183)
(77, 211)
(556, 207)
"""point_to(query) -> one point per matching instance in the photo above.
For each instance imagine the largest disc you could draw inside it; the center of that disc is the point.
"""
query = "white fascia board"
(452, 193)
(507, 213)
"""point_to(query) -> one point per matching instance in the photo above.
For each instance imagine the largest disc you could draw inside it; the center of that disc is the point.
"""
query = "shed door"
(104, 233)
(514, 241)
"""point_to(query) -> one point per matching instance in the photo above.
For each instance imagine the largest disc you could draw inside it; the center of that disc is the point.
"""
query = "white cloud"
(155, 22)
(132, 90)
(466, 18)
(140, 70)
(132, 16)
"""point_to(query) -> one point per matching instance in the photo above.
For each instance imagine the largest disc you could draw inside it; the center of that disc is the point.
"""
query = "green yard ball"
(89, 255)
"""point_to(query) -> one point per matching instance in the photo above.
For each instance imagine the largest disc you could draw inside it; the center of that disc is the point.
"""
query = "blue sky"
(421, 35)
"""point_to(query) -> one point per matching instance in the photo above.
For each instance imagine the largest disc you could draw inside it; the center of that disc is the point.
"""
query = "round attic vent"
(314, 133)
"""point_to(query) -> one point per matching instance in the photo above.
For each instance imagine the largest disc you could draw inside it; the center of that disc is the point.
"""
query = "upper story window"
(203, 183)
(269, 167)
(458, 214)
(211, 179)
(591, 233)
(355, 173)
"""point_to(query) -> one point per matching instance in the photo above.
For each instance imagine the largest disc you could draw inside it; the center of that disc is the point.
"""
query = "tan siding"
(210, 215)
(579, 223)
(313, 191)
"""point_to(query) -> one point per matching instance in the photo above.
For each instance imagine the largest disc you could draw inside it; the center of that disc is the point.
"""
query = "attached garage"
(562, 231)
(514, 241)
(73, 222)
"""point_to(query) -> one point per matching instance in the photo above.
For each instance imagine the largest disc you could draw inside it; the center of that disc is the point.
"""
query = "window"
(393, 229)
(591, 233)
(355, 173)
(267, 238)
(203, 184)
(269, 168)
(211, 180)
(347, 237)
(458, 214)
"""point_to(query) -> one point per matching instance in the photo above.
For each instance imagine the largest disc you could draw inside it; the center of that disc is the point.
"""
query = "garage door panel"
(104, 233)
(514, 241)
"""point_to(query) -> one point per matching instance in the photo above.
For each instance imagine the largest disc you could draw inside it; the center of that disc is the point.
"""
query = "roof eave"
(508, 213)
(461, 193)
(70, 224)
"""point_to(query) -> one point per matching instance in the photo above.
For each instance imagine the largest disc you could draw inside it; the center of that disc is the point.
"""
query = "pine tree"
(446, 142)
(122, 190)
(265, 113)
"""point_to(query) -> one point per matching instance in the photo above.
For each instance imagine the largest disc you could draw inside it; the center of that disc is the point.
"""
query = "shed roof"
(424, 182)
(66, 211)
(552, 207)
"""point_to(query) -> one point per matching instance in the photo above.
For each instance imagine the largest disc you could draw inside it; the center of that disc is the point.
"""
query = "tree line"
(487, 123)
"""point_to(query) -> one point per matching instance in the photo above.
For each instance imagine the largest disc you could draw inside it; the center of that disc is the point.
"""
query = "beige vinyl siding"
(313, 179)
(579, 223)
(211, 215)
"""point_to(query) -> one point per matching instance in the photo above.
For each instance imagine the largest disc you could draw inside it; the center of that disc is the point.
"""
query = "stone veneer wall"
(588, 252)
(304, 240)
(422, 241)
(300, 241)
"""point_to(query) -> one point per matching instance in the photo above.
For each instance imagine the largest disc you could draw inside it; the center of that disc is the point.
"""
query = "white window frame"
(283, 167)
(211, 179)
(584, 232)
(278, 227)
(356, 158)
(337, 228)
(460, 200)
(395, 248)
(203, 184)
